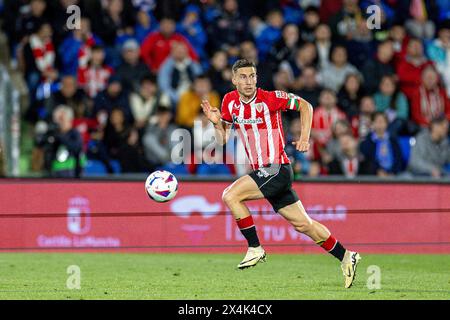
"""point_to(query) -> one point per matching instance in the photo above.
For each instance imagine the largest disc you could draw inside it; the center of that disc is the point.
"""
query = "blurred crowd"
(112, 90)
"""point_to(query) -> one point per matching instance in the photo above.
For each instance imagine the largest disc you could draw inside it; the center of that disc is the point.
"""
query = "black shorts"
(275, 183)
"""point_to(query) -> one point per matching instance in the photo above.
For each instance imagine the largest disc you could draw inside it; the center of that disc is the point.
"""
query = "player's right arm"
(222, 128)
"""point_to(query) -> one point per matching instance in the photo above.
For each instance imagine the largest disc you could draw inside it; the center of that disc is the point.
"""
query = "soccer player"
(256, 115)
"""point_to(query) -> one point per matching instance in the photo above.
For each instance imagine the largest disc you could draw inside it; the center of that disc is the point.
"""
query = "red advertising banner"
(376, 218)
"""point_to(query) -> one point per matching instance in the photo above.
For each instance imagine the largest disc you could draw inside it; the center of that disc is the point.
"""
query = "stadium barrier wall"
(105, 215)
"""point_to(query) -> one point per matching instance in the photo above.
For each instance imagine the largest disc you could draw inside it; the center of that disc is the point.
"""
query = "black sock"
(338, 251)
(333, 246)
(251, 236)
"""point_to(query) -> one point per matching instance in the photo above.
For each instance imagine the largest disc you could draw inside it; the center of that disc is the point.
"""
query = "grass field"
(213, 276)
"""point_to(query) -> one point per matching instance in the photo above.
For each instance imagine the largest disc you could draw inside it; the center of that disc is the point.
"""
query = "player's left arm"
(306, 115)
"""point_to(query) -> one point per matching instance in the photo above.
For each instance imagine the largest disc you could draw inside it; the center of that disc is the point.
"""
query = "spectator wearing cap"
(75, 50)
(438, 50)
(178, 72)
(381, 149)
(132, 69)
(156, 48)
(431, 152)
(430, 100)
(191, 27)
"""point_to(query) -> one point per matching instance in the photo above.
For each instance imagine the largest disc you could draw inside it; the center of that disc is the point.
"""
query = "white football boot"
(253, 256)
(348, 266)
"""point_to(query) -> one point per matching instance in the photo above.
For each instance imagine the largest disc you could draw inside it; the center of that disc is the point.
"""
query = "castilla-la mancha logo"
(78, 216)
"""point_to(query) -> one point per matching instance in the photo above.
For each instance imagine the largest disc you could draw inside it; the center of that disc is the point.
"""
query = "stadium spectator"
(39, 59)
(75, 50)
(400, 40)
(229, 30)
(304, 57)
(178, 72)
(220, 73)
(116, 134)
(333, 75)
(249, 51)
(344, 24)
(323, 45)
(438, 51)
(133, 69)
(191, 27)
(29, 20)
(430, 99)
(69, 95)
(145, 24)
(62, 145)
(381, 149)
(409, 68)
(144, 101)
(157, 139)
(158, 45)
(431, 152)
(269, 33)
(189, 106)
(311, 20)
(390, 100)
(300, 162)
(351, 163)
(309, 86)
(284, 48)
(115, 20)
(362, 122)
(375, 69)
(349, 96)
(324, 118)
(421, 24)
(113, 97)
(333, 148)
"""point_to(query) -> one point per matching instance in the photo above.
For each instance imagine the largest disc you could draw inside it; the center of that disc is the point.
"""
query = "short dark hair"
(377, 114)
(243, 63)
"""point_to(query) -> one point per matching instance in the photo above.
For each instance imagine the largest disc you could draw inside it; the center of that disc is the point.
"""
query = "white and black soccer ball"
(161, 186)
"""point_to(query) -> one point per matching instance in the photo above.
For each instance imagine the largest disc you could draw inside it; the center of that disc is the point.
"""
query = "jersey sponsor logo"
(281, 94)
(239, 120)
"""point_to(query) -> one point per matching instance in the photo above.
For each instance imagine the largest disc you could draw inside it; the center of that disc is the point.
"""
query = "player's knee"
(304, 226)
(229, 197)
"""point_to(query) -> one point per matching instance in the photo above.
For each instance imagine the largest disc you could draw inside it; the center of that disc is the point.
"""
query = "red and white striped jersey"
(259, 125)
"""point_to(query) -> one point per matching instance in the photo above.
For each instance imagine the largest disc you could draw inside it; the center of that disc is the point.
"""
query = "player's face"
(245, 81)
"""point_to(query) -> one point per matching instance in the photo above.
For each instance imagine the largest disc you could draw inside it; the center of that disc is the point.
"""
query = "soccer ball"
(161, 186)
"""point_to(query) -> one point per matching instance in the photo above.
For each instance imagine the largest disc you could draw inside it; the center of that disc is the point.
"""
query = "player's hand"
(300, 145)
(213, 114)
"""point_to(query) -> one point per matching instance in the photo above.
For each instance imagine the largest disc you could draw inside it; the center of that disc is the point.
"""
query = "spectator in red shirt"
(156, 47)
(430, 100)
(324, 118)
(409, 69)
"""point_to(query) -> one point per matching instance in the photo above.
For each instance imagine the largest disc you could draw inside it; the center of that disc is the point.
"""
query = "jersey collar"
(252, 99)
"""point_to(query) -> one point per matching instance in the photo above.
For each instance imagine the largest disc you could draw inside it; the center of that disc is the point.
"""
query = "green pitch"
(213, 276)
